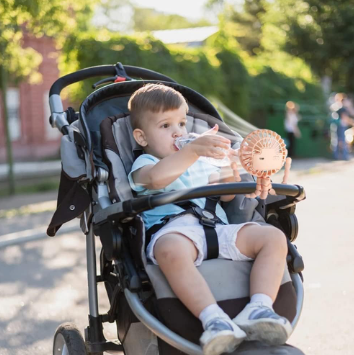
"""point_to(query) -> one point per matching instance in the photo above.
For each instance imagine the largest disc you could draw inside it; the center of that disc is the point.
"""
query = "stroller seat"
(120, 149)
(98, 151)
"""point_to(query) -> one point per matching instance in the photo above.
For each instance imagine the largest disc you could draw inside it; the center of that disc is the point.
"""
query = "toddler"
(158, 117)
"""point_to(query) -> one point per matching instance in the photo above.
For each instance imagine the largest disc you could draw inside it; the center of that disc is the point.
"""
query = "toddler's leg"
(267, 246)
(175, 255)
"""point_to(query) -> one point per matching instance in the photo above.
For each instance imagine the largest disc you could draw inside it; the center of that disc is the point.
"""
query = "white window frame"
(13, 113)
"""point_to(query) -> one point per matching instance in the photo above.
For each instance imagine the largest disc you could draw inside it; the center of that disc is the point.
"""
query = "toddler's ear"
(139, 136)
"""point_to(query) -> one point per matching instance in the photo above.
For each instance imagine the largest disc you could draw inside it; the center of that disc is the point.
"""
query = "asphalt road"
(43, 283)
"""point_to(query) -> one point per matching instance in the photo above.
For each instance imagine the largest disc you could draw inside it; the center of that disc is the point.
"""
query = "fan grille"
(263, 153)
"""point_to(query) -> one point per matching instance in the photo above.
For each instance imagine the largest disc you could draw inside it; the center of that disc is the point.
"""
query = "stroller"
(97, 152)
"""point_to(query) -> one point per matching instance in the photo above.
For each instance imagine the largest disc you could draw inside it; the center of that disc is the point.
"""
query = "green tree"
(235, 88)
(55, 18)
(320, 32)
(317, 31)
(213, 70)
(247, 20)
(249, 23)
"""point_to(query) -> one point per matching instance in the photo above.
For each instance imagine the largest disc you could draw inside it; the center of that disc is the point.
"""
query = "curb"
(32, 234)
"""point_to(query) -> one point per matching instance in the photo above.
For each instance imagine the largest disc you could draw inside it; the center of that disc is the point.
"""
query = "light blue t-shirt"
(196, 175)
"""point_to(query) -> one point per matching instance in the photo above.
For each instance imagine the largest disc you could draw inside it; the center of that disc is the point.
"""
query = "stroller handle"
(208, 191)
(102, 70)
(132, 207)
(58, 117)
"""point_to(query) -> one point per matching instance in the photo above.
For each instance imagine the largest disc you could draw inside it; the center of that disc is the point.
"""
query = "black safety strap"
(209, 229)
(207, 218)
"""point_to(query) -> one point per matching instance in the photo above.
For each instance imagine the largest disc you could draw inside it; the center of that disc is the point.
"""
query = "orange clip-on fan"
(262, 153)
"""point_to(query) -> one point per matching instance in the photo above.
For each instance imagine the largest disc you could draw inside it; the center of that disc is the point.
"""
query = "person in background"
(291, 126)
(343, 122)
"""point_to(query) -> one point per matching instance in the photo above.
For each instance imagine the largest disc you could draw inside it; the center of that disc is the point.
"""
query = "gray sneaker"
(263, 324)
(221, 335)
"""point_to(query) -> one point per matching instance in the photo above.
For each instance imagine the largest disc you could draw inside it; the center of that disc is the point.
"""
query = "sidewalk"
(317, 165)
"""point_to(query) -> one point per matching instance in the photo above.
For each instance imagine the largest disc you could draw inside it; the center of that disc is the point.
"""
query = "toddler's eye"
(166, 125)
(182, 124)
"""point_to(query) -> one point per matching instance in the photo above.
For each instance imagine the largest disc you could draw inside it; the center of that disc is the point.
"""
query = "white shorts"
(189, 226)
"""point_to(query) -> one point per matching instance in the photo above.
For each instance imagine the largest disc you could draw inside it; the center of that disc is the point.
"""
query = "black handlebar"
(104, 70)
(132, 207)
(147, 202)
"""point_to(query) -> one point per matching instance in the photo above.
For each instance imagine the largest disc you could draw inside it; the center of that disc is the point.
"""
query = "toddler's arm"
(227, 174)
(168, 169)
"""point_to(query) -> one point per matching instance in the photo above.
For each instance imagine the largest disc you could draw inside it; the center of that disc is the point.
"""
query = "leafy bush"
(249, 87)
(207, 70)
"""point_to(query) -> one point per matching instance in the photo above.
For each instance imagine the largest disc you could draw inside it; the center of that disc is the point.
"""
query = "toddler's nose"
(177, 134)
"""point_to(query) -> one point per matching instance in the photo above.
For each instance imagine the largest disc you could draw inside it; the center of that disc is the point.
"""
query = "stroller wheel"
(68, 341)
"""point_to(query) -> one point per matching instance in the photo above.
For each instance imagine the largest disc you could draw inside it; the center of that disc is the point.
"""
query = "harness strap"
(209, 230)
(207, 218)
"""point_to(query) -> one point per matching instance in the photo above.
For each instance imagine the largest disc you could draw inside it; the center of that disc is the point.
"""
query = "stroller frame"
(125, 277)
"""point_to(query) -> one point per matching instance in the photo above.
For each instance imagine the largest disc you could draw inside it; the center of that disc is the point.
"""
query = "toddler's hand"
(209, 144)
(230, 172)
(233, 156)
(235, 171)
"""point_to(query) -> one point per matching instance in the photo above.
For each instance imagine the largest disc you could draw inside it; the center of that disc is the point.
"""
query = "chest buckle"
(206, 218)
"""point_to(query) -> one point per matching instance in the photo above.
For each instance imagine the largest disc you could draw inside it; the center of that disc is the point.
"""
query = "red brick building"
(28, 108)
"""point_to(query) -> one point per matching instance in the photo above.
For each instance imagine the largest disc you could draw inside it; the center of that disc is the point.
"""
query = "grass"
(32, 188)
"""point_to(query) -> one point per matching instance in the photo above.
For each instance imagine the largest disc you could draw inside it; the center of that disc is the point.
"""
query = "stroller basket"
(97, 152)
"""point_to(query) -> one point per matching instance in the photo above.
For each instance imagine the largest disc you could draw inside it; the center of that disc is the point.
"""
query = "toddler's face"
(160, 130)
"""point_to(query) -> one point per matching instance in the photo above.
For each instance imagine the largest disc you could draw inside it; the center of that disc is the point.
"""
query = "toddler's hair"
(153, 98)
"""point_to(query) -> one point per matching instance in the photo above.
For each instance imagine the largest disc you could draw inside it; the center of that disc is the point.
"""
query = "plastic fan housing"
(263, 153)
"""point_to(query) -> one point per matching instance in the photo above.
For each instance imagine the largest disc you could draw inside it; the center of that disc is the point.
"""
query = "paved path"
(326, 241)
(43, 283)
(17, 201)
